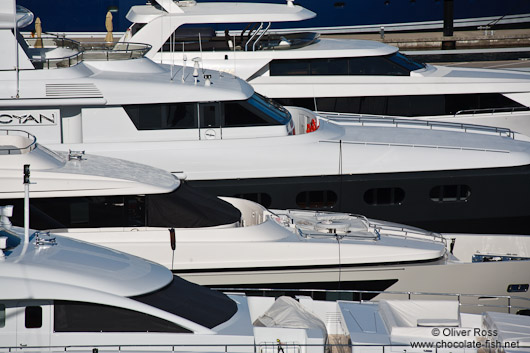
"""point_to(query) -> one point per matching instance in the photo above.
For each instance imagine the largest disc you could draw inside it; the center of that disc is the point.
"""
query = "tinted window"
(33, 317)
(185, 207)
(393, 65)
(316, 199)
(340, 104)
(289, 67)
(2, 315)
(89, 317)
(79, 212)
(262, 198)
(384, 196)
(450, 193)
(199, 304)
(162, 116)
(255, 111)
(406, 62)
(329, 66)
(238, 114)
(210, 115)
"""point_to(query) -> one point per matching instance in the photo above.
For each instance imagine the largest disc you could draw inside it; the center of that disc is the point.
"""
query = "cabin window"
(289, 67)
(450, 193)
(395, 64)
(238, 114)
(517, 288)
(210, 116)
(33, 317)
(72, 316)
(199, 304)
(2, 315)
(411, 106)
(255, 111)
(405, 61)
(376, 65)
(163, 116)
(185, 207)
(262, 198)
(329, 66)
(316, 199)
(384, 196)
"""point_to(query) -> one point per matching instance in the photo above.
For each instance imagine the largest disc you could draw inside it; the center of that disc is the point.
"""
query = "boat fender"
(172, 238)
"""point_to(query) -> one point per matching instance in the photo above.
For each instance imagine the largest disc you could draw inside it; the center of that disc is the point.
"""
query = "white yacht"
(238, 243)
(333, 75)
(231, 141)
(60, 294)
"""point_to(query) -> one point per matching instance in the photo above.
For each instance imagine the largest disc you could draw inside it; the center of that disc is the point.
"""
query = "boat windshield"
(199, 304)
(405, 61)
(273, 109)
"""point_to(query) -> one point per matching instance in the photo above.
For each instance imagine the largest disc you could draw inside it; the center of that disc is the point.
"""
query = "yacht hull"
(489, 279)
(421, 203)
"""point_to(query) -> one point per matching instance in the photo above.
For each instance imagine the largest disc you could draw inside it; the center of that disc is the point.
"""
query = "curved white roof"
(74, 263)
(222, 12)
(54, 173)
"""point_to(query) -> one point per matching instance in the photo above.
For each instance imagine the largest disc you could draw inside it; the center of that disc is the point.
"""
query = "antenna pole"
(16, 50)
(26, 203)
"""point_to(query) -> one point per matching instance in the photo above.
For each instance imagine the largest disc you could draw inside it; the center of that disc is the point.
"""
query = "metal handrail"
(87, 51)
(253, 35)
(491, 110)
(113, 50)
(408, 294)
(259, 38)
(400, 122)
(406, 232)
(31, 146)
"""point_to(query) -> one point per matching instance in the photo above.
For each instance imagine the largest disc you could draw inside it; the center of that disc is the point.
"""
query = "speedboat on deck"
(237, 243)
(231, 141)
(329, 75)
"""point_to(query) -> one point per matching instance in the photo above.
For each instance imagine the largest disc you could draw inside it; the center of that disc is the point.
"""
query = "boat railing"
(14, 149)
(259, 347)
(47, 43)
(382, 120)
(368, 295)
(376, 230)
(404, 232)
(106, 51)
(509, 110)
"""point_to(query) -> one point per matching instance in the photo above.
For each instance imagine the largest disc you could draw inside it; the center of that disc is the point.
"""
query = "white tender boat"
(331, 75)
(230, 141)
(60, 294)
(238, 243)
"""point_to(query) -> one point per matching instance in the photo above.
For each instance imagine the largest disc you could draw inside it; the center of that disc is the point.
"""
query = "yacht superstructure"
(231, 141)
(331, 75)
(238, 243)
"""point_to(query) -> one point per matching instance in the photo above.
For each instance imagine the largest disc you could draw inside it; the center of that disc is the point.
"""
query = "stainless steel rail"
(11, 150)
(374, 120)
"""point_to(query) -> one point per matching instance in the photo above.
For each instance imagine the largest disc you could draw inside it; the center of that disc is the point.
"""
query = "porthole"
(450, 193)
(262, 198)
(316, 199)
(517, 288)
(384, 196)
